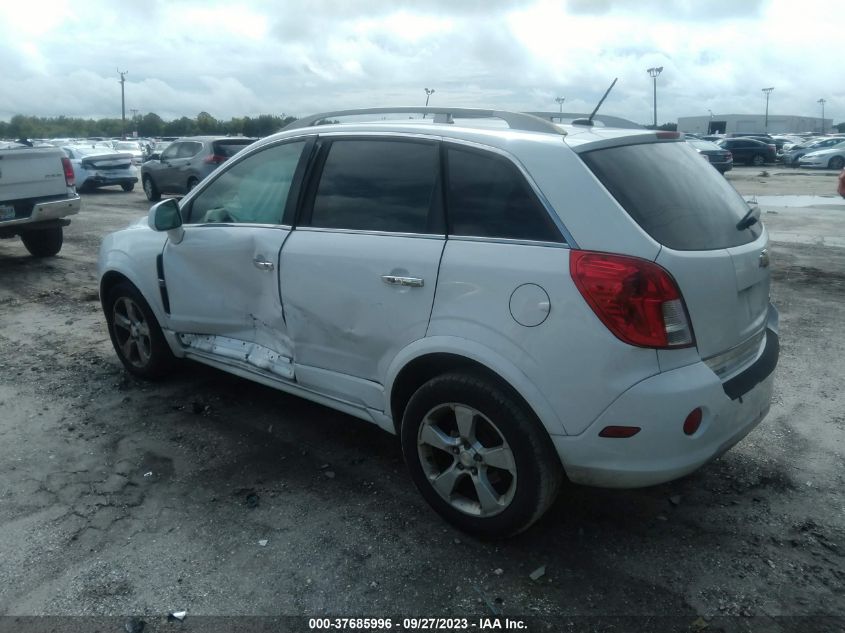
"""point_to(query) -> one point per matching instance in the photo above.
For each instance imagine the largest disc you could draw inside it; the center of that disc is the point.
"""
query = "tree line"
(147, 125)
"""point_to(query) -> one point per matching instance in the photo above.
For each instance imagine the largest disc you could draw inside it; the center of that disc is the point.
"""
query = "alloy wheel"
(132, 332)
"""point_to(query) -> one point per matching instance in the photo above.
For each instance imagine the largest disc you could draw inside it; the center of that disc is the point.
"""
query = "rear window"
(680, 201)
(230, 148)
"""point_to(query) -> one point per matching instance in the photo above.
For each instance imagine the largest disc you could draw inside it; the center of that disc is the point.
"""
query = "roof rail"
(515, 120)
(572, 117)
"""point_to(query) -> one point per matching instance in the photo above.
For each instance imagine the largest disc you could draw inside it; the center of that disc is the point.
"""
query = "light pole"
(428, 93)
(768, 91)
(560, 101)
(822, 102)
(710, 124)
(653, 73)
(134, 112)
(122, 102)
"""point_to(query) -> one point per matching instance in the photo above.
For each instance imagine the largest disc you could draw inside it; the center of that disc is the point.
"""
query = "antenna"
(589, 121)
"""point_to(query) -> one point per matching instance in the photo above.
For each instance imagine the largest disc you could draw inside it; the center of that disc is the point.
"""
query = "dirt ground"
(122, 497)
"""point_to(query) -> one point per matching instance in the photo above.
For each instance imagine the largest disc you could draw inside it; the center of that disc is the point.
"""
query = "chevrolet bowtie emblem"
(764, 258)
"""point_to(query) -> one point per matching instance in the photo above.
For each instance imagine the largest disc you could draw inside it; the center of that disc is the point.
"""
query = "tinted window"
(229, 148)
(673, 195)
(488, 197)
(377, 186)
(254, 190)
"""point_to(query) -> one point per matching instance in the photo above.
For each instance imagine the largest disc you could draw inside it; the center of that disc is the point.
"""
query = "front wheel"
(478, 455)
(136, 334)
(44, 242)
(127, 187)
(837, 162)
(150, 189)
(758, 160)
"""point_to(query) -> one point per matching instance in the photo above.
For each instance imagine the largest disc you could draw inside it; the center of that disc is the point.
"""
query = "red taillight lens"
(214, 159)
(636, 299)
(70, 179)
(668, 135)
(693, 421)
(619, 431)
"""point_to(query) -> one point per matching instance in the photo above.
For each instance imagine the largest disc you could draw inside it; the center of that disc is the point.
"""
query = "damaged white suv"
(520, 303)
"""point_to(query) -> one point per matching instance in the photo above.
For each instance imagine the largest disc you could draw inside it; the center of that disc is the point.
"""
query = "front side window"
(186, 150)
(252, 191)
(377, 185)
(487, 196)
(170, 152)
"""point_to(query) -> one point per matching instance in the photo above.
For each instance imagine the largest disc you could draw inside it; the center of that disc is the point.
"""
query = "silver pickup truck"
(37, 193)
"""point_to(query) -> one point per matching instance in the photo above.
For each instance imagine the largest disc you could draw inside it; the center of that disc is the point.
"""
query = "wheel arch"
(414, 367)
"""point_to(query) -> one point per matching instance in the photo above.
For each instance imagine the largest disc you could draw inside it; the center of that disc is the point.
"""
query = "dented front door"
(222, 278)
(223, 286)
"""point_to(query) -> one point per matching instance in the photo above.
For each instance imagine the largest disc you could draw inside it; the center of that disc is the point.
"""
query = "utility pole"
(122, 102)
(134, 112)
(653, 73)
(768, 91)
(822, 102)
(560, 101)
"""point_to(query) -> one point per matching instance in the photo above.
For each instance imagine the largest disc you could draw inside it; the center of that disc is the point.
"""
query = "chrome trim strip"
(320, 229)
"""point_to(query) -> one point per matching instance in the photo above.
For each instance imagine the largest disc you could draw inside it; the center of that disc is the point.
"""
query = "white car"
(832, 157)
(131, 147)
(518, 304)
(96, 167)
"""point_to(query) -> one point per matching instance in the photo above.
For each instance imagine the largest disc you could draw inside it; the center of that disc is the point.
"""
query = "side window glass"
(487, 196)
(252, 191)
(186, 150)
(374, 185)
(170, 152)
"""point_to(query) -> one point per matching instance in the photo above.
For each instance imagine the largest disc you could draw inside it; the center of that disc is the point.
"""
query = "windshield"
(680, 201)
(130, 146)
(91, 151)
(705, 146)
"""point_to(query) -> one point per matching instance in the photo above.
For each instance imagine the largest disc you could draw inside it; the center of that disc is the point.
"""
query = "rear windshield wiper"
(749, 219)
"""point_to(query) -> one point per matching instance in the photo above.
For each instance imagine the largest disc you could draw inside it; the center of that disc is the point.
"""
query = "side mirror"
(165, 216)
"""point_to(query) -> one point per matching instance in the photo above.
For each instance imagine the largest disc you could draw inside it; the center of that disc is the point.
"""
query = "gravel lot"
(122, 497)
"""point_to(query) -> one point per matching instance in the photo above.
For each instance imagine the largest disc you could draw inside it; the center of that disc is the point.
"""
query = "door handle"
(393, 280)
(262, 264)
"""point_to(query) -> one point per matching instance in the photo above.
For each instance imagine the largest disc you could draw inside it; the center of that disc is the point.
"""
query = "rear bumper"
(47, 210)
(661, 451)
(105, 181)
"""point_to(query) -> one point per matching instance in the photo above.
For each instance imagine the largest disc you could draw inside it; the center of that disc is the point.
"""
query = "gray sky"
(233, 58)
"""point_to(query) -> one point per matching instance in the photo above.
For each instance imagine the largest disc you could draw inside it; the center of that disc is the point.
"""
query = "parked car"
(749, 151)
(96, 167)
(131, 147)
(792, 156)
(513, 306)
(832, 157)
(720, 158)
(186, 161)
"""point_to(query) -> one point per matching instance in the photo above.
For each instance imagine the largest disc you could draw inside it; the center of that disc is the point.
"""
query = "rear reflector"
(70, 179)
(619, 431)
(636, 299)
(693, 421)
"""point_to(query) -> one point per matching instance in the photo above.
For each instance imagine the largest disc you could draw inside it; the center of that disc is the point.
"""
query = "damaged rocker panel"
(243, 351)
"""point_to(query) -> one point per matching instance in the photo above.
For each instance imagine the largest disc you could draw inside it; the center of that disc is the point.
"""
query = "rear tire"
(128, 187)
(44, 242)
(478, 455)
(758, 160)
(135, 333)
(837, 163)
(150, 189)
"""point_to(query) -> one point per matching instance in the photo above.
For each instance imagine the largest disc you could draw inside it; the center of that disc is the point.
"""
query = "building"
(752, 123)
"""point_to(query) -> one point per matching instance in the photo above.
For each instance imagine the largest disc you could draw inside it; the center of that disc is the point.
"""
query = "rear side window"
(374, 185)
(229, 148)
(487, 196)
(680, 201)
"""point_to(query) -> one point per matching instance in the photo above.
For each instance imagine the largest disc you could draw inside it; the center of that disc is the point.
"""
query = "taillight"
(214, 159)
(70, 179)
(772, 147)
(636, 299)
(668, 135)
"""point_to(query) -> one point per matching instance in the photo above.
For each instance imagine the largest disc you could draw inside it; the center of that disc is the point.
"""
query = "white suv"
(519, 303)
